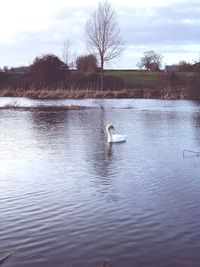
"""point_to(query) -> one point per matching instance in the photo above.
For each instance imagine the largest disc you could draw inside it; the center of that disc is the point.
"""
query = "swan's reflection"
(109, 150)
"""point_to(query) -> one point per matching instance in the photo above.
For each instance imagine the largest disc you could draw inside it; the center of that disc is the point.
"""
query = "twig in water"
(4, 258)
(190, 151)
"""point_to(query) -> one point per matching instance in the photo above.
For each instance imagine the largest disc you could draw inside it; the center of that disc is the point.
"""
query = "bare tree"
(103, 35)
(68, 56)
(150, 61)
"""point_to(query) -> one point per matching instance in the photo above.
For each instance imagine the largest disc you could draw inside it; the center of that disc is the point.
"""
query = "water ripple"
(66, 197)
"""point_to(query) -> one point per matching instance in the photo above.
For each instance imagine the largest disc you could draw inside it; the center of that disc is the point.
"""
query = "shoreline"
(181, 93)
(42, 108)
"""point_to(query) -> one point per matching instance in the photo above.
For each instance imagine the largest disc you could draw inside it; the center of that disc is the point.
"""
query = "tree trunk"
(102, 82)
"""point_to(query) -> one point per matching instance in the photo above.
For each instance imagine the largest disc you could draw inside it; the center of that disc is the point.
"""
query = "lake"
(67, 197)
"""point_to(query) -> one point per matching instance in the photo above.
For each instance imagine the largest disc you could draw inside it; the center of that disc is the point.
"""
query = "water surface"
(67, 197)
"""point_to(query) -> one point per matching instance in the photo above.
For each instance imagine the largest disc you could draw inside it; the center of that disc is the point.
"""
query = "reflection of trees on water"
(49, 129)
(79, 134)
(47, 123)
(196, 119)
(48, 120)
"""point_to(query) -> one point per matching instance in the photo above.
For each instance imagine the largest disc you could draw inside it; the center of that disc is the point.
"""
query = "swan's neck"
(109, 134)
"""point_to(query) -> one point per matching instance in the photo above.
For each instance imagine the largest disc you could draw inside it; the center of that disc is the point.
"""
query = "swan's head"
(109, 127)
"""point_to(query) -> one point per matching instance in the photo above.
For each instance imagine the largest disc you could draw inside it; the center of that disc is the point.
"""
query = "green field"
(136, 78)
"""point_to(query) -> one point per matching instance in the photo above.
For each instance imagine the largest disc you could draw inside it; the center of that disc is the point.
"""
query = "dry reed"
(78, 94)
(66, 94)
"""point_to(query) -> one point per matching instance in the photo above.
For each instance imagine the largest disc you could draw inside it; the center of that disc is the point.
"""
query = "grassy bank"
(69, 94)
(136, 84)
(78, 94)
(134, 79)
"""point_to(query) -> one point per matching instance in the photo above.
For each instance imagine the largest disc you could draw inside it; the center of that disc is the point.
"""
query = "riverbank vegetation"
(48, 77)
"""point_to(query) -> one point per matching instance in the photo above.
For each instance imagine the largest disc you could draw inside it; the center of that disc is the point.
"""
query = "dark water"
(66, 197)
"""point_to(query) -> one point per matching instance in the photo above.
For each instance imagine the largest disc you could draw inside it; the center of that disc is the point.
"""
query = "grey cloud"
(162, 25)
(162, 29)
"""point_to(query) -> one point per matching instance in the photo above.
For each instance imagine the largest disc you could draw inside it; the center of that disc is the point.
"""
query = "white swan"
(113, 138)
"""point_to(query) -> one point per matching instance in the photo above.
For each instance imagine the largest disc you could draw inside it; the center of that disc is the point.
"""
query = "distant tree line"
(49, 72)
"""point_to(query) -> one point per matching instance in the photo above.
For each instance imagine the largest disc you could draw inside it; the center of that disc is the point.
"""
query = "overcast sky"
(30, 28)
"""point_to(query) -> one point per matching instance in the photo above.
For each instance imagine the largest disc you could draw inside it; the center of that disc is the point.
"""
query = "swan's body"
(114, 138)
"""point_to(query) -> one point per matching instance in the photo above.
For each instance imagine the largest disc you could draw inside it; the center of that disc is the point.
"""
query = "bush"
(47, 71)
(195, 85)
(86, 63)
(14, 80)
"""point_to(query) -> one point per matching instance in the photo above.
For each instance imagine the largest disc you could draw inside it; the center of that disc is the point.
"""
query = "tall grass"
(68, 94)
(78, 94)
(72, 94)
